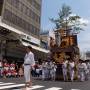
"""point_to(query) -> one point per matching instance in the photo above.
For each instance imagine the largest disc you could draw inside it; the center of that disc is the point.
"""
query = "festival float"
(63, 46)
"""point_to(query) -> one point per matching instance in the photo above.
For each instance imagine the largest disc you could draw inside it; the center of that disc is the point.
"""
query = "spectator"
(21, 73)
(1, 67)
(6, 68)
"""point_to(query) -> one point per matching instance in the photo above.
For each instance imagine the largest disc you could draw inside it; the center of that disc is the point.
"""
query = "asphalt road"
(18, 84)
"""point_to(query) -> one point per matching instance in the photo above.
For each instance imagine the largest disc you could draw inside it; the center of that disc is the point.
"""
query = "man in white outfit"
(64, 69)
(81, 70)
(53, 71)
(28, 63)
(44, 70)
(71, 69)
(87, 73)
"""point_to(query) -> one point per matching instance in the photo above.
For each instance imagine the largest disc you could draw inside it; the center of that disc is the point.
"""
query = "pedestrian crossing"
(75, 89)
(5, 84)
(9, 85)
(35, 87)
(54, 88)
(12, 86)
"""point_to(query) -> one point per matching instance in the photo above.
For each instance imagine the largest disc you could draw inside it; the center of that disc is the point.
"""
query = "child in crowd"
(20, 73)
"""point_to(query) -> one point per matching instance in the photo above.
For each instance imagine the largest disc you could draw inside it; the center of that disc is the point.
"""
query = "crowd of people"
(81, 69)
(8, 70)
(70, 70)
(47, 70)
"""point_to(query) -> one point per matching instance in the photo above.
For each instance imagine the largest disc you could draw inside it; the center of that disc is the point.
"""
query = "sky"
(50, 9)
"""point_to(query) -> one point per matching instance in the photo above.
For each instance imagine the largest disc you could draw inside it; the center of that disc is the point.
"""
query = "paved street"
(18, 84)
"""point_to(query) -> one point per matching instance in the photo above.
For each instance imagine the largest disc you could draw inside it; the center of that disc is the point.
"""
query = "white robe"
(28, 63)
(71, 70)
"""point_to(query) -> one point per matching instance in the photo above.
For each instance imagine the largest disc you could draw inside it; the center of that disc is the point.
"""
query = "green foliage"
(66, 21)
(63, 14)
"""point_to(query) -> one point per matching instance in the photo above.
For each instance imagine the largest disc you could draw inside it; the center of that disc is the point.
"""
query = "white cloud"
(73, 14)
(84, 37)
(84, 21)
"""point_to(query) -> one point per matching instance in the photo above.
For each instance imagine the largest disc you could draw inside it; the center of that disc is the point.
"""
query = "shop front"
(12, 45)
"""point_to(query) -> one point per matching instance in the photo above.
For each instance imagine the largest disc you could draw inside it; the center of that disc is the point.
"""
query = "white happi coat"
(64, 67)
(44, 70)
(81, 71)
(71, 70)
(88, 67)
(53, 70)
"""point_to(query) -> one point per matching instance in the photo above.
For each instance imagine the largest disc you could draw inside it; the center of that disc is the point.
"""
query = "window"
(21, 7)
(30, 1)
(33, 16)
(24, 9)
(7, 15)
(9, 1)
(38, 33)
(28, 29)
(32, 29)
(28, 11)
(18, 22)
(12, 18)
(38, 19)
(15, 3)
(35, 4)
(34, 32)
(23, 23)
(15, 19)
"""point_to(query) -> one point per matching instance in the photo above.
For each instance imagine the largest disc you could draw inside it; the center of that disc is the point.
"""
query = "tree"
(67, 20)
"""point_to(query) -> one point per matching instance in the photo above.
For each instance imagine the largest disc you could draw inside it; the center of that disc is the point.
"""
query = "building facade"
(44, 37)
(20, 20)
(23, 15)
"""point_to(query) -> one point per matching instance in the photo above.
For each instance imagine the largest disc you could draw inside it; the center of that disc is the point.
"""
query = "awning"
(35, 47)
(21, 33)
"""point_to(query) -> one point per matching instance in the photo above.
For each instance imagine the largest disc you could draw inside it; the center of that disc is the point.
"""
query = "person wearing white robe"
(71, 69)
(87, 70)
(81, 70)
(29, 62)
(44, 70)
(53, 71)
(64, 69)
